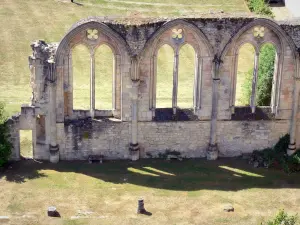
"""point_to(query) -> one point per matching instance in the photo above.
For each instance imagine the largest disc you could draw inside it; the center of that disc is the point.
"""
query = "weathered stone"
(172, 156)
(212, 127)
(4, 219)
(228, 208)
(52, 212)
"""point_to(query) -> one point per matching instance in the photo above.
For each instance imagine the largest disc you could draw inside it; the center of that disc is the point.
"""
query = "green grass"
(188, 192)
(24, 21)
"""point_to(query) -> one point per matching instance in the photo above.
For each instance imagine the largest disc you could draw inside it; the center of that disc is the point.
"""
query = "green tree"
(5, 145)
(265, 75)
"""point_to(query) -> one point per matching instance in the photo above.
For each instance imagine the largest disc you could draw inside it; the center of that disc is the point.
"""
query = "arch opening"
(244, 75)
(81, 77)
(164, 77)
(104, 77)
(186, 76)
(266, 72)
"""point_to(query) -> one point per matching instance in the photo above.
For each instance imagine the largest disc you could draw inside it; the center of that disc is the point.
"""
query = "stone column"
(175, 81)
(92, 84)
(53, 147)
(254, 83)
(134, 74)
(212, 151)
(292, 146)
(134, 146)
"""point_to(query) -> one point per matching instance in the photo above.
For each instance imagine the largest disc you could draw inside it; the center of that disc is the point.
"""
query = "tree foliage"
(5, 145)
(264, 79)
(265, 75)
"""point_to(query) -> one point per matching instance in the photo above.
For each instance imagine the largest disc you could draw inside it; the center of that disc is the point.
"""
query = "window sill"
(244, 113)
(166, 114)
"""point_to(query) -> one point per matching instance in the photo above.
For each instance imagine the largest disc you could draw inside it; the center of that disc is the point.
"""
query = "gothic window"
(164, 77)
(81, 77)
(186, 76)
(104, 78)
(175, 79)
(255, 76)
(245, 69)
(93, 78)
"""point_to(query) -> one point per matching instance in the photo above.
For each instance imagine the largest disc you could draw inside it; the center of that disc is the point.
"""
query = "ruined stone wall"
(214, 120)
(94, 137)
(110, 138)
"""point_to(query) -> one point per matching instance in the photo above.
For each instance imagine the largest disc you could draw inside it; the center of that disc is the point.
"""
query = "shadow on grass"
(189, 175)
(76, 3)
(16, 172)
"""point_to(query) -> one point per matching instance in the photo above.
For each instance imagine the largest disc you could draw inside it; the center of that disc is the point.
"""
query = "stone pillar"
(175, 81)
(53, 147)
(92, 84)
(292, 146)
(134, 146)
(212, 151)
(134, 74)
(254, 83)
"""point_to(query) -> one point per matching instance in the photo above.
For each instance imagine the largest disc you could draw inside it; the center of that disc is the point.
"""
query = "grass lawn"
(188, 192)
(22, 22)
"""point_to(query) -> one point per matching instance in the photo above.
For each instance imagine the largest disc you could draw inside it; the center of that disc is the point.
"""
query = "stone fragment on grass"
(172, 156)
(52, 212)
(4, 219)
(228, 208)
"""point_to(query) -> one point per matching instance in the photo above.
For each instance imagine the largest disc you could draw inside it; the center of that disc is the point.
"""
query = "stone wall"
(132, 123)
(110, 138)
(94, 137)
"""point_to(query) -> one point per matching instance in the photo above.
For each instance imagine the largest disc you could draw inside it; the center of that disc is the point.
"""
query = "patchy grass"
(188, 192)
(24, 21)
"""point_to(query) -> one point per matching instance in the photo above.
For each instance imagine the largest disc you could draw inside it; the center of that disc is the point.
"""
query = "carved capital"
(134, 73)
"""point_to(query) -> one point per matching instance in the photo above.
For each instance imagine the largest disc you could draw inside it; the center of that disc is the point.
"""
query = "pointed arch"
(274, 34)
(266, 23)
(78, 34)
(193, 36)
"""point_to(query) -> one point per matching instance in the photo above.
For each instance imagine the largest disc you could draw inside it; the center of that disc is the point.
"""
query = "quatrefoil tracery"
(259, 32)
(177, 34)
(92, 34)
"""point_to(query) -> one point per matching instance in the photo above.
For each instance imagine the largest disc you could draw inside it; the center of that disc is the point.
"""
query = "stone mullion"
(153, 78)
(234, 78)
(117, 88)
(197, 82)
(254, 83)
(92, 84)
(70, 86)
(114, 84)
(175, 81)
(274, 85)
(279, 78)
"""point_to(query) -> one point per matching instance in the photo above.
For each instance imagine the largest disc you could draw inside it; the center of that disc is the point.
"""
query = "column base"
(134, 150)
(212, 152)
(54, 153)
(291, 149)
